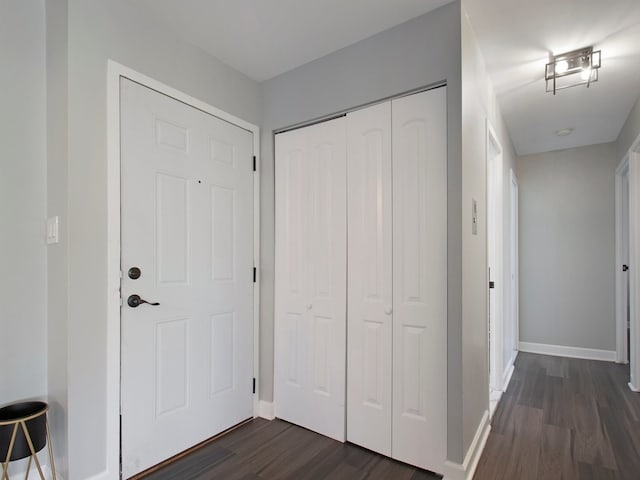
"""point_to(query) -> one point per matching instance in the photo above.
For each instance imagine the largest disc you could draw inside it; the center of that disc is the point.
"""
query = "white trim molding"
(495, 251)
(466, 470)
(506, 378)
(622, 246)
(634, 265)
(570, 352)
(21, 470)
(266, 410)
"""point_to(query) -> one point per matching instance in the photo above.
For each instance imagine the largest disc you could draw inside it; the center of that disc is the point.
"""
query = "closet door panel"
(419, 278)
(369, 278)
(292, 205)
(310, 330)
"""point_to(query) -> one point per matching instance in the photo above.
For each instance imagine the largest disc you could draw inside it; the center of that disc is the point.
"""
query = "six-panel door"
(187, 224)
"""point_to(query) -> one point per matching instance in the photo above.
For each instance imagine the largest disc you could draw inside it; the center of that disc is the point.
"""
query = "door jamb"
(497, 338)
(114, 72)
(514, 297)
(622, 355)
(634, 264)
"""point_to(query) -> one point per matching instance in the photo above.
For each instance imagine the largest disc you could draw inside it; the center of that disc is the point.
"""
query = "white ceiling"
(264, 38)
(516, 38)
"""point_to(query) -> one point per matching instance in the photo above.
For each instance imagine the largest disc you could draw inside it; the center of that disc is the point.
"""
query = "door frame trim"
(622, 355)
(634, 264)
(496, 375)
(114, 72)
(514, 241)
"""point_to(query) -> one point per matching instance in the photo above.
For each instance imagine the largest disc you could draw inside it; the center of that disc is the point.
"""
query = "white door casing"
(634, 266)
(187, 223)
(514, 297)
(622, 258)
(419, 151)
(369, 288)
(495, 259)
(310, 277)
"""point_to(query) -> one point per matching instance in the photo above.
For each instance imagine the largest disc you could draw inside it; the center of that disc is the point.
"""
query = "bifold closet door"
(419, 278)
(369, 278)
(310, 275)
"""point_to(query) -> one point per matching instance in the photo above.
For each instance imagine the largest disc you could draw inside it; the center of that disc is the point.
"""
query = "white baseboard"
(266, 410)
(633, 388)
(105, 475)
(571, 352)
(506, 377)
(466, 470)
(21, 471)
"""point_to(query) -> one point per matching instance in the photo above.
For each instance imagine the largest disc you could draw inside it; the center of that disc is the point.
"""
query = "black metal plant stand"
(24, 431)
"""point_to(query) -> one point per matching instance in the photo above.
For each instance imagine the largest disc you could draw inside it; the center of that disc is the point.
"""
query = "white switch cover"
(52, 230)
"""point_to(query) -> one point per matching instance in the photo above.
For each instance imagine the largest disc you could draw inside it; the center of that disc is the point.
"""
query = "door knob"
(135, 301)
(309, 306)
(388, 310)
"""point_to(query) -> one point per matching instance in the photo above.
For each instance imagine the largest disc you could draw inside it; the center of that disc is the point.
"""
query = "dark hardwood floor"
(560, 418)
(263, 450)
(564, 418)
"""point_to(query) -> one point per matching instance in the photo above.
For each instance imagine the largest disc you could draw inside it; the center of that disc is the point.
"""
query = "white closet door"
(369, 278)
(419, 278)
(310, 309)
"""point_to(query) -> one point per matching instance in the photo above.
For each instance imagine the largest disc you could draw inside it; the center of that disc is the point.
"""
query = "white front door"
(310, 274)
(187, 244)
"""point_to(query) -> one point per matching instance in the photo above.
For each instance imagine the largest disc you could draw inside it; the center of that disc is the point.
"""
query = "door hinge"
(625, 268)
(255, 274)
(492, 284)
(254, 163)
(254, 385)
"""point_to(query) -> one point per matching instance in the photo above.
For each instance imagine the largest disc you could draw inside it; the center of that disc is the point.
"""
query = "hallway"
(564, 418)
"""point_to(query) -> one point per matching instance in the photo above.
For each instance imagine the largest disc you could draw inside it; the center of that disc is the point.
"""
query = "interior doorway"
(627, 260)
(494, 266)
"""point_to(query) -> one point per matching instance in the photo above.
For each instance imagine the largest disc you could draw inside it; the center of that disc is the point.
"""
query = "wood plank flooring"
(264, 450)
(564, 418)
(560, 418)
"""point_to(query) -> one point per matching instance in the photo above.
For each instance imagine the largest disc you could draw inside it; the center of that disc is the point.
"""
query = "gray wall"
(629, 132)
(567, 250)
(119, 30)
(479, 105)
(23, 295)
(420, 52)
(57, 254)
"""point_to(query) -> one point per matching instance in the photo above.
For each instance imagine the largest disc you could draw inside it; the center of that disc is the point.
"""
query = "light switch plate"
(52, 230)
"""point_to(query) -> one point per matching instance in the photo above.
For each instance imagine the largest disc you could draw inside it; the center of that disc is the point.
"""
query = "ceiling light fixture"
(579, 67)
